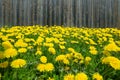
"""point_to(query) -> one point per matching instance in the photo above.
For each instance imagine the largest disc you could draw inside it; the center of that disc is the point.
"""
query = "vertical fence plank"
(21, 12)
(76, 14)
(25, 12)
(3, 12)
(14, 12)
(17, 13)
(45, 12)
(89, 13)
(110, 13)
(29, 12)
(92, 14)
(83, 13)
(118, 24)
(107, 9)
(64, 12)
(67, 13)
(115, 13)
(59, 11)
(96, 13)
(100, 12)
(6, 11)
(0, 13)
(80, 14)
(50, 10)
(32, 12)
(71, 13)
(41, 12)
(106, 13)
(11, 12)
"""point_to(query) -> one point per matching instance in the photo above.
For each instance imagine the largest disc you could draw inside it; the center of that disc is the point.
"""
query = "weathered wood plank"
(0, 12)
(118, 23)
(89, 13)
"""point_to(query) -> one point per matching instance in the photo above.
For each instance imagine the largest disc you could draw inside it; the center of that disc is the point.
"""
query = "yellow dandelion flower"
(48, 44)
(106, 53)
(66, 61)
(11, 52)
(69, 77)
(94, 52)
(60, 57)
(112, 61)
(49, 67)
(77, 55)
(92, 42)
(115, 64)
(20, 43)
(71, 50)
(11, 40)
(52, 50)
(19, 36)
(22, 50)
(92, 48)
(4, 64)
(87, 60)
(68, 55)
(7, 45)
(117, 42)
(57, 35)
(27, 39)
(62, 47)
(87, 42)
(75, 60)
(39, 40)
(82, 61)
(62, 43)
(104, 38)
(29, 47)
(41, 67)
(112, 47)
(50, 78)
(81, 76)
(56, 40)
(97, 76)
(38, 52)
(18, 63)
(43, 59)
(74, 42)
(1, 55)
(4, 38)
(49, 39)
(106, 60)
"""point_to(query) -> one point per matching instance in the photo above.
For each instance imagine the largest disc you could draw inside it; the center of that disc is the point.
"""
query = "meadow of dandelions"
(59, 53)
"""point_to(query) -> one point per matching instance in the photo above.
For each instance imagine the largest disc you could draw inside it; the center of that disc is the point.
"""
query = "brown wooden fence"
(90, 13)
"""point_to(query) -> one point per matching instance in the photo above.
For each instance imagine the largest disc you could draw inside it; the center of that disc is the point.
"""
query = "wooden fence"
(88, 13)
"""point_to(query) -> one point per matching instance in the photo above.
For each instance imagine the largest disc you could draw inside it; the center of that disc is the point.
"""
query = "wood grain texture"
(79, 13)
